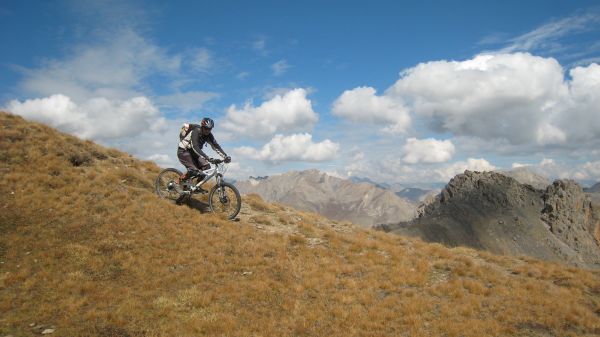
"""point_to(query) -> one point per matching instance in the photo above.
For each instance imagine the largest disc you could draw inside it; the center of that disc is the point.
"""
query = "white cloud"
(280, 67)
(472, 164)
(427, 151)
(201, 60)
(554, 169)
(163, 160)
(96, 118)
(520, 98)
(394, 170)
(363, 105)
(581, 118)
(289, 112)
(591, 170)
(518, 165)
(237, 171)
(490, 96)
(546, 36)
(113, 68)
(550, 134)
(186, 101)
(297, 147)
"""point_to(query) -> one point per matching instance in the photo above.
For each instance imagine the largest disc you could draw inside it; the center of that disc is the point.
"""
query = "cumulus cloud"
(291, 112)
(96, 118)
(520, 98)
(363, 105)
(471, 164)
(555, 169)
(296, 147)
(580, 120)
(394, 170)
(507, 96)
(427, 151)
(591, 170)
(237, 171)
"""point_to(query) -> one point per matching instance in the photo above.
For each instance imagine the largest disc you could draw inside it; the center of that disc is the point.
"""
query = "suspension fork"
(219, 188)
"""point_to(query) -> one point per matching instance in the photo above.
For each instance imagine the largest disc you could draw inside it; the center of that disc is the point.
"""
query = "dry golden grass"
(258, 204)
(87, 248)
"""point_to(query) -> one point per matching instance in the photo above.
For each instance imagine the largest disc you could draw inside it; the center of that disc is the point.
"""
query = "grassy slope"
(88, 249)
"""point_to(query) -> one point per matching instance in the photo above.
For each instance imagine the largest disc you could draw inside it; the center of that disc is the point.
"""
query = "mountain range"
(339, 199)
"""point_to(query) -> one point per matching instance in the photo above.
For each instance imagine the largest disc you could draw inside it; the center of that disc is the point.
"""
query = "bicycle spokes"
(225, 199)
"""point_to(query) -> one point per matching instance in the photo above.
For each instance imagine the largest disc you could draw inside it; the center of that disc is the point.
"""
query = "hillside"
(335, 198)
(491, 211)
(87, 249)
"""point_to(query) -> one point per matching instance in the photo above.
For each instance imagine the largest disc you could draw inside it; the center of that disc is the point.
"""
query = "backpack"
(186, 129)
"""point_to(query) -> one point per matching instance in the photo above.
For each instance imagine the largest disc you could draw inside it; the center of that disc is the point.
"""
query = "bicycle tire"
(219, 205)
(161, 185)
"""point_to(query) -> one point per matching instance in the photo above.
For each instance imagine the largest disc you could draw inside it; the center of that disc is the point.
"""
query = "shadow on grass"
(196, 204)
(202, 206)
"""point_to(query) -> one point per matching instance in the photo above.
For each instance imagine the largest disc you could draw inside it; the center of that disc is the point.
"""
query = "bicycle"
(223, 197)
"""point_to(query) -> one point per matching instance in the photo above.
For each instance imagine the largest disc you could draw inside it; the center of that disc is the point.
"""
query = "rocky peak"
(489, 190)
(569, 211)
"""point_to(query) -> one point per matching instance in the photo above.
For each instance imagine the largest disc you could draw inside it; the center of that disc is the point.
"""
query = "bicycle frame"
(217, 171)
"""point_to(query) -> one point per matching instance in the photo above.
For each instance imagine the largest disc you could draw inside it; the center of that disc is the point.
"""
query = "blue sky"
(409, 92)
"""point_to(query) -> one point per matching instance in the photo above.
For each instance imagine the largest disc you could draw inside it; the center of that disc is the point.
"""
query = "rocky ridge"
(492, 211)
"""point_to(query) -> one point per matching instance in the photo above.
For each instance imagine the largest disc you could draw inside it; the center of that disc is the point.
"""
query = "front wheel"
(225, 199)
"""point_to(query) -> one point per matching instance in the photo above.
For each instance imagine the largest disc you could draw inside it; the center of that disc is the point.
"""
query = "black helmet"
(207, 123)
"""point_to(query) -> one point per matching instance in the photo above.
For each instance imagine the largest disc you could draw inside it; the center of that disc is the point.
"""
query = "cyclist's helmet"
(207, 123)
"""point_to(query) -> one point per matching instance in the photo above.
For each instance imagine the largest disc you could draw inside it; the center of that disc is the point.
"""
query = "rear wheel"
(225, 199)
(167, 184)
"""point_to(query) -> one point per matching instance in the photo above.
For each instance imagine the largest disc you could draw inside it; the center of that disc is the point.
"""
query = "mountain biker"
(190, 152)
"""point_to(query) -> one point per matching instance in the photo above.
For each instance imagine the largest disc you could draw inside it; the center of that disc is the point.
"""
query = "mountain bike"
(223, 197)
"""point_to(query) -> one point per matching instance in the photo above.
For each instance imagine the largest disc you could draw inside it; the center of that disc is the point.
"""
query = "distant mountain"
(359, 180)
(416, 195)
(593, 189)
(491, 211)
(525, 176)
(339, 199)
